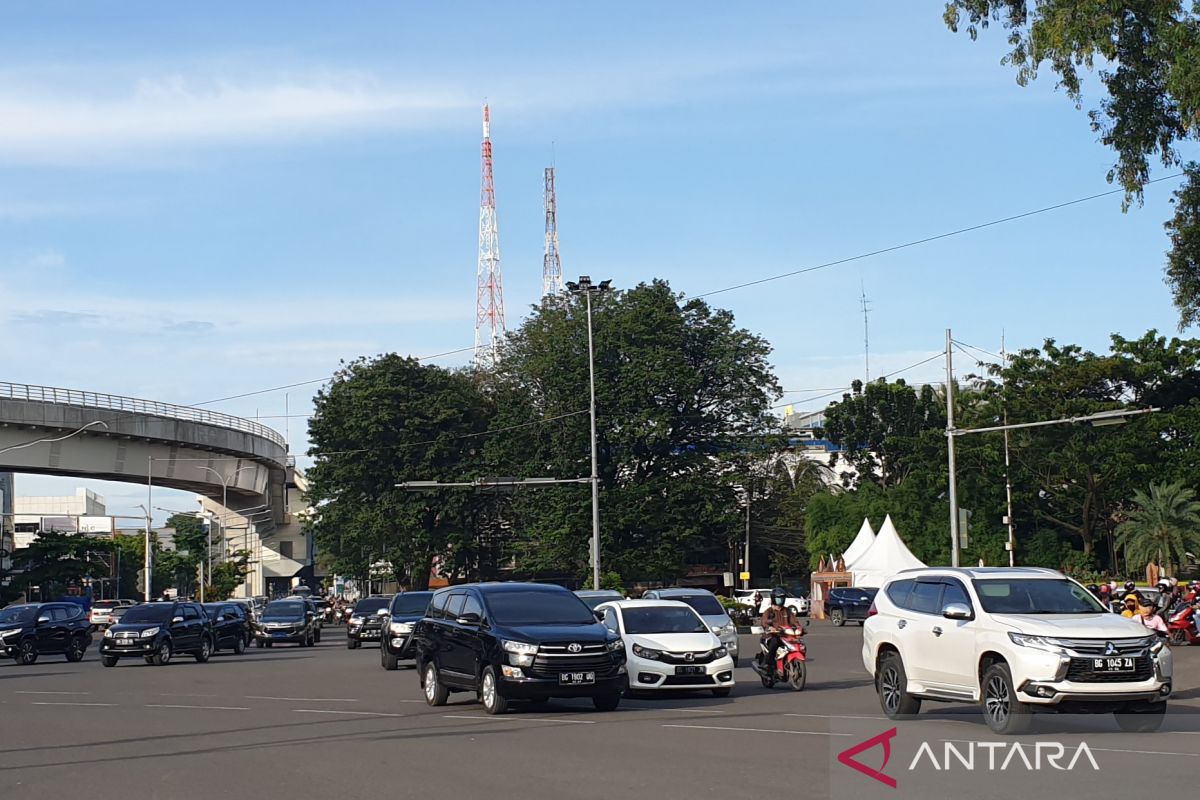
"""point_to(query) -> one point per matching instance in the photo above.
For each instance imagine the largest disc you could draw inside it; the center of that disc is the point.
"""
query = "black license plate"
(689, 670)
(576, 678)
(279, 634)
(370, 635)
(1118, 664)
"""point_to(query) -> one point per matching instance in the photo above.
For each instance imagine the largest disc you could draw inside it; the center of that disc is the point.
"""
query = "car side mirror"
(469, 618)
(599, 616)
(43, 620)
(957, 611)
(176, 620)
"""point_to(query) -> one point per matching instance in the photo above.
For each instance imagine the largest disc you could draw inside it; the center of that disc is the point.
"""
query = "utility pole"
(746, 557)
(149, 521)
(950, 449)
(1012, 540)
(866, 334)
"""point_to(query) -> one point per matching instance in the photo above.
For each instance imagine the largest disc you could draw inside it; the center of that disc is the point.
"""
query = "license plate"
(279, 633)
(370, 635)
(689, 670)
(1121, 664)
(576, 678)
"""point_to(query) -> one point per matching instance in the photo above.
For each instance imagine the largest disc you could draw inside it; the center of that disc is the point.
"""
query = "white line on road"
(33, 692)
(206, 708)
(351, 713)
(172, 694)
(832, 716)
(72, 704)
(306, 699)
(510, 718)
(755, 730)
(695, 710)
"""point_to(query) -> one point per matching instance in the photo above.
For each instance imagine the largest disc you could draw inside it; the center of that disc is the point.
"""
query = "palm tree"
(1165, 526)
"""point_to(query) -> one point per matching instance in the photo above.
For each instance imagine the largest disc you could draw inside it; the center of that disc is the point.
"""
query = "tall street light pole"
(954, 541)
(585, 287)
(224, 509)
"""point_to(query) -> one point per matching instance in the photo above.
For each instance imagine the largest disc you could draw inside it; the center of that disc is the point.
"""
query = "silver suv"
(1015, 641)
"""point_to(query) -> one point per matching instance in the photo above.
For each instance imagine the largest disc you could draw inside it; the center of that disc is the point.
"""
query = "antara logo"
(970, 756)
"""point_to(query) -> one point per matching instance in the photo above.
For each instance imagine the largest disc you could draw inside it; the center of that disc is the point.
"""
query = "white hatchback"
(669, 646)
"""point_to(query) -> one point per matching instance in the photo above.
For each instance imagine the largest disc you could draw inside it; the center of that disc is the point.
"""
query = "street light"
(224, 509)
(146, 559)
(586, 288)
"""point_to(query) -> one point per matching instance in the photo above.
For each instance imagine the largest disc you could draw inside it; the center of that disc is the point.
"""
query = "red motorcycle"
(788, 664)
(1181, 627)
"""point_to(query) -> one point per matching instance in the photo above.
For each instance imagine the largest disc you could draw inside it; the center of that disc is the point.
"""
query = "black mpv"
(33, 629)
(404, 613)
(156, 632)
(517, 641)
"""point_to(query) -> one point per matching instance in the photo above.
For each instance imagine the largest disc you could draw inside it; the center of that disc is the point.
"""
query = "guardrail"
(76, 397)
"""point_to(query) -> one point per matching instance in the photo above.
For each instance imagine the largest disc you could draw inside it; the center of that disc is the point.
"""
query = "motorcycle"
(788, 664)
(1181, 627)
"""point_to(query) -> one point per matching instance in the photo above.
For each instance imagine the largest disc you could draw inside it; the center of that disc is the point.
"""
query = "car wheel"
(1142, 718)
(108, 661)
(387, 660)
(259, 643)
(239, 646)
(892, 685)
(205, 651)
(607, 702)
(435, 693)
(268, 644)
(489, 693)
(27, 654)
(162, 656)
(75, 650)
(353, 644)
(838, 617)
(317, 636)
(1002, 712)
(797, 675)
(722, 692)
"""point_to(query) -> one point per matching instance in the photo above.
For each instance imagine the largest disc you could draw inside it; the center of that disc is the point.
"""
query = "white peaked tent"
(887, 556)
(861, 544)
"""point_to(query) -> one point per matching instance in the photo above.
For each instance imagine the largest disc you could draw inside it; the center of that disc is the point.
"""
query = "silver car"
(707, 606)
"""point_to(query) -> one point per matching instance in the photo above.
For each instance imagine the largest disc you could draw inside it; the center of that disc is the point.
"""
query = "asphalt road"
(329, 722)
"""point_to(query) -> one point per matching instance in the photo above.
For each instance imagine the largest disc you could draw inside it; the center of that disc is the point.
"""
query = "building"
(82, 512)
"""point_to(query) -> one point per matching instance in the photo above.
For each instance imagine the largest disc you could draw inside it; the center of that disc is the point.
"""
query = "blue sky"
(198, 201)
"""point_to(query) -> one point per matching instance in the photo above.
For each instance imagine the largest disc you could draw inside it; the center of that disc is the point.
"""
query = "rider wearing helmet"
(776, 617)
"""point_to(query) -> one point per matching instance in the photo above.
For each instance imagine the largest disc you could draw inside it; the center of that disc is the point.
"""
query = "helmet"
(1130, 586)
(1164, 584)
(1093, 588)
(778, 596)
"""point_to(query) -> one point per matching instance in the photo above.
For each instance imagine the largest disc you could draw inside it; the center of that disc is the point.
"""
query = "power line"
(929, 239)
(980, 349)
(881, 377)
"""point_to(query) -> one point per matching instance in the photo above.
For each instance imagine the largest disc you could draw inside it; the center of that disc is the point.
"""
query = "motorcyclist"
(776, 617)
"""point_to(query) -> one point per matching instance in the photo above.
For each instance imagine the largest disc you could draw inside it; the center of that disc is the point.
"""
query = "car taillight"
(872, 611)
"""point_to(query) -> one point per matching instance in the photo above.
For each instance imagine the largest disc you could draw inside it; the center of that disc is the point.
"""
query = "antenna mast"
(866, 333)
(552, 282)
(489, 297)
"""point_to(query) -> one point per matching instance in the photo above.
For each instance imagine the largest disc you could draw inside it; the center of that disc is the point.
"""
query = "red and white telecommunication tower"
(489, 299)
(552, 282)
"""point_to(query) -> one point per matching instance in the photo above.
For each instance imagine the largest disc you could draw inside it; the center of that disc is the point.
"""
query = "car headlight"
(356, 620)
(1038, 643)
(616, 645)
(6, 634)
(400, 628)
(520, 654)
(720, 652)
(1157, 646)
(646, 652)
(146, 634)
(108, 633)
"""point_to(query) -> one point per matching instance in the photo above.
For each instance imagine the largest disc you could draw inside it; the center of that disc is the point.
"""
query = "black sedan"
(33, 629)
(231, 629)
(404, 612)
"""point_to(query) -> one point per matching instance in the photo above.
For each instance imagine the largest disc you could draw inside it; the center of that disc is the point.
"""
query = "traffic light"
(964, 528)
(141, 579)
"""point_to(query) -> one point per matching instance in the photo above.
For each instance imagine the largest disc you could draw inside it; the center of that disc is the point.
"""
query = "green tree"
(56, 560)
(1164, 527)
(1151, 81)
(683, 398)
(382, 421)
(227, 576)
(190, 536)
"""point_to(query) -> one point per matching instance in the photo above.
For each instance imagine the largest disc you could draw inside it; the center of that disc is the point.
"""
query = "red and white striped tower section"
(552, 282)
(489, 301)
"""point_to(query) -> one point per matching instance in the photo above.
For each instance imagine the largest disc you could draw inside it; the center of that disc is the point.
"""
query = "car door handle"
(901, 623)
(937, 631)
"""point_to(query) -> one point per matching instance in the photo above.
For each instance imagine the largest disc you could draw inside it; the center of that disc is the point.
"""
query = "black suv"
(848, 603)
(157, 631)
(231, 628)
(289, 619)
(366, 621)
(27, 631)
(517, 641)
(404, 612)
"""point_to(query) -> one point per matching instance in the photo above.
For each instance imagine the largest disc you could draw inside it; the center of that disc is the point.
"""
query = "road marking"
(207, 708)
(353, 713)
(172, 694)
(695, 710)
(831, 716)
(45, 703)
(756, 730)
(33, 692)
(511, 718)
(306, 699)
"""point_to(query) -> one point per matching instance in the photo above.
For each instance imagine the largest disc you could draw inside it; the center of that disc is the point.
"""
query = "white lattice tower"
(489, 296)
(552, 282)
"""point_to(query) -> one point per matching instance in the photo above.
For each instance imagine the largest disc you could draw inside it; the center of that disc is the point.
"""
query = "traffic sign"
(744, 576)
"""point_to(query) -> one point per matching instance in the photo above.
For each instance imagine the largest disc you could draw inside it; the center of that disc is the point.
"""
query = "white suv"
(1014, 640)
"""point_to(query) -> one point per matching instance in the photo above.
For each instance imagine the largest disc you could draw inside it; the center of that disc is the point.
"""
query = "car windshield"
(538, 608)
(214, 609)
(414, 603)
(705, 604)
(663, 619)
(153, 612)
(284, 608)
(104, 604)
(370, 605)
(21, 614)
(593, 600)
(1035, 596)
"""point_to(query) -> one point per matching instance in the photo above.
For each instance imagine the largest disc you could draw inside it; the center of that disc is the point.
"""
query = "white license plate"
(1119, 664)
(576, 678)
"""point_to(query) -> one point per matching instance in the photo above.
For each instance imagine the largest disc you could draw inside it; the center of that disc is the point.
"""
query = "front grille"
(688, 680)
(564, 649)
(1080, 671)
(1099, 647)
(705, 657)
(550, 666)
